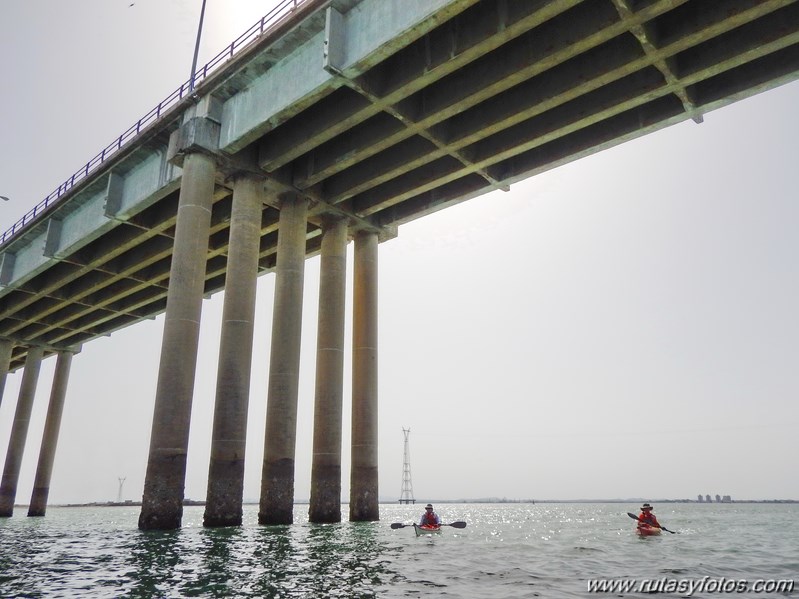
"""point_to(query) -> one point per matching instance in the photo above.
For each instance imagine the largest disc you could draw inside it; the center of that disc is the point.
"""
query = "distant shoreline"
(192, 502)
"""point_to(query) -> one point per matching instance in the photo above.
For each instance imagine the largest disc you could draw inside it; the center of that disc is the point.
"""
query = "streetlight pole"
(196, 48)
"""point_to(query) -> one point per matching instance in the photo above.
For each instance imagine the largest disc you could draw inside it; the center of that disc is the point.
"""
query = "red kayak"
(426, 529)
(646, 530)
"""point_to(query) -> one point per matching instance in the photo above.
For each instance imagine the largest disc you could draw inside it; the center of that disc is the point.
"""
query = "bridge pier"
(52, 426)
(162, 501)
(363, 477)
(325, 503)
(6, 345)
(19, 431)
(277, 476)
(226, 470)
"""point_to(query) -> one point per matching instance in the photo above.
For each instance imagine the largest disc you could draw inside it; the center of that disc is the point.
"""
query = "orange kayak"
(646, 530)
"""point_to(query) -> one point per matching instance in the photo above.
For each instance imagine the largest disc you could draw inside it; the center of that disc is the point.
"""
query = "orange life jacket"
(648, 518)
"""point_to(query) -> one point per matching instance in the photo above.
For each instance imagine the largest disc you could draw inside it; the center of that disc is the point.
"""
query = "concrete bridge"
(329, 122)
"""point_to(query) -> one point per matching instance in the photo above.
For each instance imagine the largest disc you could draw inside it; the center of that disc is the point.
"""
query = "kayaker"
(429, 517)
(647, 517)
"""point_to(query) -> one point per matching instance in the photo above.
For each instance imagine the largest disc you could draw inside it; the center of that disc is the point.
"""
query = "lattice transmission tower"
(406, 495)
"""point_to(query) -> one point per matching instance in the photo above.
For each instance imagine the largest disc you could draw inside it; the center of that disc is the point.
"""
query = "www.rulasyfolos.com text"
(688, 587)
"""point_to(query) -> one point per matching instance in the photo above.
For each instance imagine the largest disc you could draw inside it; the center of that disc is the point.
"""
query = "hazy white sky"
(623, 326)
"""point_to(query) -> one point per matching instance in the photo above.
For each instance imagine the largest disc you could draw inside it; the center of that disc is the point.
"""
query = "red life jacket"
(648, 518)
(430, 519)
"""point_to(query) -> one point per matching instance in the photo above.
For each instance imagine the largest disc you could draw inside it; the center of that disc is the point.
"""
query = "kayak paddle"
(458, 524)
(634, 517)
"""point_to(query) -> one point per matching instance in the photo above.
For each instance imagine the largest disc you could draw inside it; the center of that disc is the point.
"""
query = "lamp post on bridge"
(4, 199)
(196, 48)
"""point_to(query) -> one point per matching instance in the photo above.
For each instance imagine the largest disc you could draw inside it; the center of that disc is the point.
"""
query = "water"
(506, 551)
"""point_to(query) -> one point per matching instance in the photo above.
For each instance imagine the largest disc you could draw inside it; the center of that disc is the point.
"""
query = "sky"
(623, 326)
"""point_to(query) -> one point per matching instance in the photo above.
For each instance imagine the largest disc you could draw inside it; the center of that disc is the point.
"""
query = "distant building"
(699, 498)
(718, 498)
(726, 499)
(708, 499)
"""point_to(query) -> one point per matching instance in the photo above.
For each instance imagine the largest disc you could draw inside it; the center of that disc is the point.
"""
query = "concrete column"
(326, 469)
(223, 505)
(19, 431)
(52, 426)
(162, 502)
(5, 361)
(277, 477)
(363, 478)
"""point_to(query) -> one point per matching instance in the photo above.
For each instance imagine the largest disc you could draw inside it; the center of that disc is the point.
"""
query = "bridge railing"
(264, 25)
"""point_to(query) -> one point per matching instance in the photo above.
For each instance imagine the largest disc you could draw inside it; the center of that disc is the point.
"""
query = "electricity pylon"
(406, 495)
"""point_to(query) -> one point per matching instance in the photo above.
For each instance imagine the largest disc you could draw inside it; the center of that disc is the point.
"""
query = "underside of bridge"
(481, 95)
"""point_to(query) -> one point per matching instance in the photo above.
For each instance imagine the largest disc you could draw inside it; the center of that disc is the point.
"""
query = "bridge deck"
(399, 109)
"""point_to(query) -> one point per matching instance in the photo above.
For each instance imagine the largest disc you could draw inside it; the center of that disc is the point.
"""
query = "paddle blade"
(459, 524)
(633, 516)
(398, 525)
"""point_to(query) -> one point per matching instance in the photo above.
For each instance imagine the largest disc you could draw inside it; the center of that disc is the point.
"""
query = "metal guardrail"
(266, 24)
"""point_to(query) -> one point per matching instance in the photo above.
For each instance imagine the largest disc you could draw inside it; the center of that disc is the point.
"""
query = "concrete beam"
(400, 76)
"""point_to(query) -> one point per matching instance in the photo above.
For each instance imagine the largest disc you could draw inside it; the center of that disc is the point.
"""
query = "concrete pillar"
(326, 468)
(19, 431)
(277, 477)
(52, 426)
(5, 361)
(363, 477)
(223, 505)
(162, 502)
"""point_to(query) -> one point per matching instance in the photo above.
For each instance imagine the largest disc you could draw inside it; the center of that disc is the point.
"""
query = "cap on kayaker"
(429, 506)
(646, 506)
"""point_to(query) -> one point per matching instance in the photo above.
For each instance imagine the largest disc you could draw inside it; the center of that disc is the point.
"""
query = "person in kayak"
(429, 517)
(647, 517)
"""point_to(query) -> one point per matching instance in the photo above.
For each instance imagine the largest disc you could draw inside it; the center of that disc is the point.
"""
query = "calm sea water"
(506, 551)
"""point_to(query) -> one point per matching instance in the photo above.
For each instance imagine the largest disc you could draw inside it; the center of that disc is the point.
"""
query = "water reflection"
(217, 551)
(154, 557)
(318, 560)
(310, 560)
(274, 550)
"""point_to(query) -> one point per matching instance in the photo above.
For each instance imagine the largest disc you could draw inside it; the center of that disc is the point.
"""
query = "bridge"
(328, 122)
